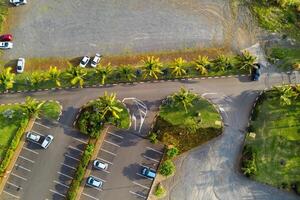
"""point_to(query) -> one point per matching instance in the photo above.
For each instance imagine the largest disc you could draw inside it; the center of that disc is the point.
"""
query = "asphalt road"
(210, 170)
(70, 28)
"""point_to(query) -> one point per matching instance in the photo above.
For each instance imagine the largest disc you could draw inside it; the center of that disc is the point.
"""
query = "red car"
(6, 37)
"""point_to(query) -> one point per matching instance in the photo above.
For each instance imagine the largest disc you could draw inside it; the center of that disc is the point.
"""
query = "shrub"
(5, 162)
(153, 137)
(172, 152)
(159, 191)
(167, 168)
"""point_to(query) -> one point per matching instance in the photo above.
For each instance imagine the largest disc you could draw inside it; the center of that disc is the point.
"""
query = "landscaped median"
(271, 153)
(149, 69)
(185, 121)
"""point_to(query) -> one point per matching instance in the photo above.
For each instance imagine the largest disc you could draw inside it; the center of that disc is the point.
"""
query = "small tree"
(76, 75)
(7, 78)
(172, 152)
(103, 72)
(108, 106)
(184, 98)
(32, 106)
(167, 168)
(152, 67)
(127, 73)
(202, 63)
(160, 191)
(246, 61)
(178, 67)
(54, 75)
(223, 63)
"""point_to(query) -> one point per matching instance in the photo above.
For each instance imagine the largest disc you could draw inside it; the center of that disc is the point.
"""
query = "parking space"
(126, 154)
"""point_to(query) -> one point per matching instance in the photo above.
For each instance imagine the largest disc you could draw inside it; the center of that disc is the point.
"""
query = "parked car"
(84, 61)
(146, 171)
(18, 2)
(43, 141)
(96, 60)
(94, 182)
(100, 165)
(20, 65)
(255, 73)
(6, 37)
(6, 45)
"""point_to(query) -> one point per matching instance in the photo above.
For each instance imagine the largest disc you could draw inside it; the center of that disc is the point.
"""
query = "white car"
(84, 61)
(94, 182)
(43, 141)
(47, 141)
(33, 137)
(96, 60)
(100, 165)
(20, 65)
(18, 2)
(6, 45)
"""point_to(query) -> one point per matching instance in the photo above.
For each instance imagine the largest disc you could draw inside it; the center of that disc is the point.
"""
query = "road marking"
(71, 147)
(105, 161)
(19, 187)
(26, 159)
(18, 176)
(42, 125)
(59, 183)
(65, 175)
(115, 135)
(90, 196)
(151, 159)
(155, 150)
(37, 133)
(144, 176)
(82, 141)
(68, 166)
(145, 166)
(112, 143)
(17, 197)
(108, 152)
(143, 186)
(20, 166)
(71, 157)
(31, 150)
(55, 192)
(99, 189)
(139, 195)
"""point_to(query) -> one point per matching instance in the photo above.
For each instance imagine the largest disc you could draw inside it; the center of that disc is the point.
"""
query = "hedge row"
(11, 149)
(80, 171)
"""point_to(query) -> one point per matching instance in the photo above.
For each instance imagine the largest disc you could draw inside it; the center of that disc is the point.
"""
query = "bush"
(159, 191)
(80, 171)
(167, 168)
(172, 152)
(153, 137)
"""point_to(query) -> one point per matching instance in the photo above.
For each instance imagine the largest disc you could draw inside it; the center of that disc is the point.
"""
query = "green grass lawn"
(277, 142)
(288, 56)
(51, 110)
(8, 127)
(187, 130)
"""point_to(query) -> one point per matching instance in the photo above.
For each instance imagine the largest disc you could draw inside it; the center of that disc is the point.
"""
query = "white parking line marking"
(115, 135)
(79, 140)
(144, 166)
(37, 132)
(31, 150)
(105, 161)
(111, 143)
(21, 167)
(108, 152)
(143, 186)
(71, 147)
(89, 196)
(71, 157)
(26, 159)
(151, 158)
(59, 183)
(18, 176)
(68, 166)
(155, 150)
(14, 185)
(139, 195)
(17, 197)
(65, 175)
(42, 125)
(55, 192)
(144, 176)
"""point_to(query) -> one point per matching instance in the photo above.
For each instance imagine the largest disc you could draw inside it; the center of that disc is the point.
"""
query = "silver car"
(18, 2)
(96, 60)
(84, 61)
(6, 45)
(20, 65)
(100, 165)
(94, 182)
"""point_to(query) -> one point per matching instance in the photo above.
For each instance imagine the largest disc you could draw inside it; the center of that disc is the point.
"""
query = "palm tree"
(76, 75)
(184, 97)
(152, 67)
(107, 105)
(103, 72)
(178, 67)
(201, 64)
(54, 75)
(32, 106)
(127, 72)
(246, 61)
(7, 78)
(287, 94)
(35, 78)
(223, 63)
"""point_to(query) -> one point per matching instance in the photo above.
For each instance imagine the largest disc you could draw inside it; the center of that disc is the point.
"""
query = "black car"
(255, 73)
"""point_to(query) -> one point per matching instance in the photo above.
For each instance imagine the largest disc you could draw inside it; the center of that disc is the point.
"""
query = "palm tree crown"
(54, 75)
(152, 67)
(184, 97)
(108, 106)
(76, 75)
(32, 106)
(246, 61)
(103, 72)
(178, 67)
(223, 63)
(7, 78)
(127, 72)
(202, 63)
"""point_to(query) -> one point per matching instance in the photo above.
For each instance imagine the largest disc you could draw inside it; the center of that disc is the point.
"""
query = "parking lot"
(126, 154)
(45, 173)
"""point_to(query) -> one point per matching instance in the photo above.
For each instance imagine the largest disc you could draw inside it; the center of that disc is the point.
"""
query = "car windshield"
(19, 67)
(47, 139)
